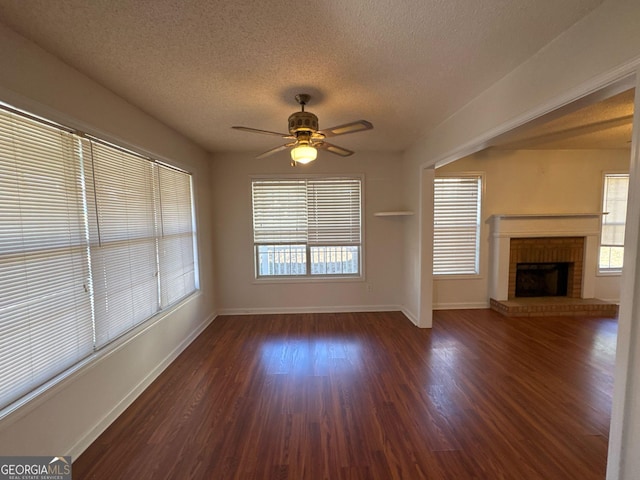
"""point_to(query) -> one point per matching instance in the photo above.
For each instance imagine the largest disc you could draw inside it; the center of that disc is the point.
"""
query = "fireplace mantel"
(504, 227)
(547, 215)
(545, 225)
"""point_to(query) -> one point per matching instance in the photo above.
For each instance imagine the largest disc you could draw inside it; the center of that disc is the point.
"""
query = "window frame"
(609, 272)
(480, 176)
(308, 277)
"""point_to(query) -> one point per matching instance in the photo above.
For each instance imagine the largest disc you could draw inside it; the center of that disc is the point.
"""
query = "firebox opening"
(542, 279)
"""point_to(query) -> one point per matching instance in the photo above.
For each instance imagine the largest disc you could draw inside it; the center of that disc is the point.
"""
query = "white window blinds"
(616, 188)
(123, 250)
(177, 235)
(279, 211)
(45, 309)
(614, 205)
(334, 211)
(94, 240)
(456, 225)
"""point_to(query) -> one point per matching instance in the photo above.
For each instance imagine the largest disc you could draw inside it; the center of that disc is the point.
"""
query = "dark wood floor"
(368, 395)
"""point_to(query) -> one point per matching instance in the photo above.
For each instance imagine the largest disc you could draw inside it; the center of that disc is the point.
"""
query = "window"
(614, 205)
(307, 226)
(45, 314)
(456, 225)
(94, 240)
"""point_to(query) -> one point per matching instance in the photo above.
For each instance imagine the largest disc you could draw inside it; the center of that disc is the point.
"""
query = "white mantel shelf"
(547, 215)
(545, 224)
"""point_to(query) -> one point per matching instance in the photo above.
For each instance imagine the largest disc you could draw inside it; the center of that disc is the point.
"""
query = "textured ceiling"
(602, 125)
(201, 66)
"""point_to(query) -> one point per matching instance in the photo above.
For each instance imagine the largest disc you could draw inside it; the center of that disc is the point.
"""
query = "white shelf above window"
(397, 213)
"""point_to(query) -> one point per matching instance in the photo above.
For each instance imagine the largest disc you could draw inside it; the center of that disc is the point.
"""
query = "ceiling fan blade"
(277, 149)
(353, 127)
(343, 152)
(264, 132)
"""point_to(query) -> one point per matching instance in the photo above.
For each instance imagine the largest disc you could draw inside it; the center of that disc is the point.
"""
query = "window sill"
(454, 276)
(307, 279)
(611, 273)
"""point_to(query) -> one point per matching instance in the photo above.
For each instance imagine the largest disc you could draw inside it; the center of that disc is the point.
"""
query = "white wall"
(67, 418)
(530, 182)
(239, 292)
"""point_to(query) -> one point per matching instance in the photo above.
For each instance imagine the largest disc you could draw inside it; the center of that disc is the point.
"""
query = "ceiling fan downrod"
(303, 99)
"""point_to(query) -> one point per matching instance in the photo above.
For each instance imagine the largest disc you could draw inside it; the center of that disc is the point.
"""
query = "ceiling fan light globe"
(303, 154)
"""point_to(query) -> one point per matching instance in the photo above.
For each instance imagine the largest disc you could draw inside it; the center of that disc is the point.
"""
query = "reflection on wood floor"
(370, 396)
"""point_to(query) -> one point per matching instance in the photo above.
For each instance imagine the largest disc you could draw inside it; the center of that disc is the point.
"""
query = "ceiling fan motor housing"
(303, 129)
(302, 122)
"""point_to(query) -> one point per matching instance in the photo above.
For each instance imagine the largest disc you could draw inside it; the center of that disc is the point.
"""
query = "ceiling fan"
(305, 137)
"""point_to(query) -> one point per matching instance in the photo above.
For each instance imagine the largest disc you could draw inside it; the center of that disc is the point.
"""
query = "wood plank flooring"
(370, 396)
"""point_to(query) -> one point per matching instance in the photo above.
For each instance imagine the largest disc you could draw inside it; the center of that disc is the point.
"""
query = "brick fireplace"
(560, 259)
(572, 238)
(543, 244)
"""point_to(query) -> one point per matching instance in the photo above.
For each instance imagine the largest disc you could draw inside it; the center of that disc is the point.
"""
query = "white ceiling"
(201, 66)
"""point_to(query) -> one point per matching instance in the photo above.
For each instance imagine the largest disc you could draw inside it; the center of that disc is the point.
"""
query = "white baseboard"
(461, 306)
(323, 309)
(340, 309)
(82, 444)
(610, 300)
(412, 318)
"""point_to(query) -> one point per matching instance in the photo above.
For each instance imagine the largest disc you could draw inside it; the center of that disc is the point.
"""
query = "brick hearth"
(551, 306)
